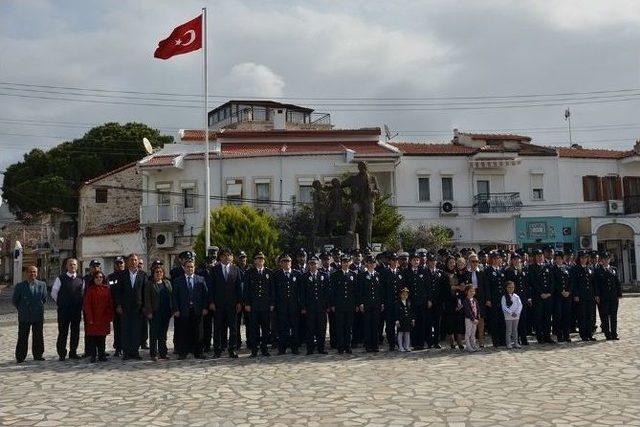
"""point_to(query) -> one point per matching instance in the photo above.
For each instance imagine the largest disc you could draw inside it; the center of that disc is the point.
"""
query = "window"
(263, 191)
(612, 187)
(424, 192)
(447, 188)
(66, 230)
(306, 193)
(591, 189)
(234, 190)
(537, 186)
(101, 195)
(483, 187)
(189, 198)
(164, 194)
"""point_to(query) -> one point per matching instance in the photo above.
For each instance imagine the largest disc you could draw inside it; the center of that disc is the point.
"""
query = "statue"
(319, 209)
(364, 189)
(335, 209)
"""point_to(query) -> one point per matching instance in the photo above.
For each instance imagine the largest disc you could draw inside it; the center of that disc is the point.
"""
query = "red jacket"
(98, 310)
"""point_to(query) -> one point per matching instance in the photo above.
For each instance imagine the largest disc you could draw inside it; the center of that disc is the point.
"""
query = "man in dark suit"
(314, 303)
(258, 301)
(343, 303)
(114, 286)
(225, 302)
(286, 296)
(190, 302)
(29, 298)
(129, 305)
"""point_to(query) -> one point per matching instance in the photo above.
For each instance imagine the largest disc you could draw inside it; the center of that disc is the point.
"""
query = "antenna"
(567, 117)
(387, 133)
(147, 146)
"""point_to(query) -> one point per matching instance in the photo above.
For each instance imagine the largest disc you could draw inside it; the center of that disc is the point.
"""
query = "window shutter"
(618, 186)
(605, 188)
(585, 188)
(599, 186)
(625, 186)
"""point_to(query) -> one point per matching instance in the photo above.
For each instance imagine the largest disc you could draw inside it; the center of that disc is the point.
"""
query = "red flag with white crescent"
(183, 39)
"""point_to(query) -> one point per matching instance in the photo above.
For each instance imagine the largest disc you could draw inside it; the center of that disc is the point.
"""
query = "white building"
(489, 190)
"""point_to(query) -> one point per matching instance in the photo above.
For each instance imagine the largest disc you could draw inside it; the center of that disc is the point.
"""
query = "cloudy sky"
(422, 67)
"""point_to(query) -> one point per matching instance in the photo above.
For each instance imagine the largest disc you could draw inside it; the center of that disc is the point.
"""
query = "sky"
(421, 67)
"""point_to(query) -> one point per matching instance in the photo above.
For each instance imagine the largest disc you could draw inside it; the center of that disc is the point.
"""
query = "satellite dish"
(387, 133)
(147, 146)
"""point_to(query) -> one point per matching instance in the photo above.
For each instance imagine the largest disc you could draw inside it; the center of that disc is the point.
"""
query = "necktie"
(190, 282)
(226, 272)
(32, 285)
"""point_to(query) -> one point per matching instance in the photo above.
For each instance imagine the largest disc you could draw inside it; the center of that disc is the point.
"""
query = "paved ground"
(576, 384)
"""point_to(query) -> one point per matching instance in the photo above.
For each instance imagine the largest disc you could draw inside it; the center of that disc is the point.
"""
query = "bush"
(430, 237)
(241, 228)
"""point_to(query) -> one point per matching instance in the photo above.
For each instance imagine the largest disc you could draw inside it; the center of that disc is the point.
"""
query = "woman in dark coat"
(158, 310)
(98, 315)
(453, 303)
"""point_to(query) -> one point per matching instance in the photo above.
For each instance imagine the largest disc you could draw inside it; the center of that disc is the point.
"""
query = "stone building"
(109, 217)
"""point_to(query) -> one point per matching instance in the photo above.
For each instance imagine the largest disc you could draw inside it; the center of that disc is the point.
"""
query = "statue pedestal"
(346, 242)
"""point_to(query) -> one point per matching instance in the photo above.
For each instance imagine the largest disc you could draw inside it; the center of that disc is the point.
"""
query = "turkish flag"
(183, 39)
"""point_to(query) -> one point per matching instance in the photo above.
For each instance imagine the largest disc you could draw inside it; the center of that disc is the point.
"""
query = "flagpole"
(207, 219)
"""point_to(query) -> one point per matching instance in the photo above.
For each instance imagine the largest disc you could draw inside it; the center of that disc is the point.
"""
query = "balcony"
(631, 205)
(497, 205)
(161, 214)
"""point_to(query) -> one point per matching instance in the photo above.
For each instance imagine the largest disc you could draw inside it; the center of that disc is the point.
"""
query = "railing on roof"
(263, 114)
(497, 203)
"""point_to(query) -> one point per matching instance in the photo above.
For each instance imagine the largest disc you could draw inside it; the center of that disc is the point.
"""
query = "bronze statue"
(335, 209)
(363, 191)
(319, 209)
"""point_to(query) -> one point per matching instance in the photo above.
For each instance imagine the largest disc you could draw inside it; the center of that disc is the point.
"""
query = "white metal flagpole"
(207, 219)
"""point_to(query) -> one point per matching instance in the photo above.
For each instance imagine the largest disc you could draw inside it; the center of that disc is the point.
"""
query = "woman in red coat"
(98, 314)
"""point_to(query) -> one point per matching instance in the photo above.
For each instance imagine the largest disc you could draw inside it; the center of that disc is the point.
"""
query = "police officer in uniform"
(327, 268)
(243, 315)
(582, 283)
(259, 302)
(392, 283)
(494, 277)
(434, 281)
(357, 266)
(542, 295)
(112, 280)
(414, 279)
(343, 303)
(608, 293)
(286, 293)
(314, 303)
(562, 297)
(371, 303)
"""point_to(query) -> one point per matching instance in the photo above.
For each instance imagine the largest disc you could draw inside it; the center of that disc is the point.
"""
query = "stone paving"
(570, 384)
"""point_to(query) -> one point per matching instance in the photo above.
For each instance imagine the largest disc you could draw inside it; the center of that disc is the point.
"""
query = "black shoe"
(460, 347)
(103, 359)
(295, 351)
(340, 351)
(323, 351)
(19, 361)
(524, 341)
(199, 356)
(266, 353)
(182, 357)
(420, 347)
(392, 349)
(217, 355)
(207, 350)
(592, 339)
(616, 338)
(281, 352)
(309, 352)
(39, 359)
(118, 353)
(348, 351)
(125, 358)
(93, 359)
(233, 355)
(439, 346)
(74, 356)
(253, 354)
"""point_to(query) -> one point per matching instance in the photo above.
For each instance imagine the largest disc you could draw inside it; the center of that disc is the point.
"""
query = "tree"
(386, 222)
(241, 228)
(430, 237)
(296, 228)
(45, 180)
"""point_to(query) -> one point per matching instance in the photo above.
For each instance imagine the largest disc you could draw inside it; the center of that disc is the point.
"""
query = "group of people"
(411, 300)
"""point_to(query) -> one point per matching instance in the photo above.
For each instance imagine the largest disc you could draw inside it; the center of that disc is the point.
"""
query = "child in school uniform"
(404, 320)
(511, 307)
(471, 318)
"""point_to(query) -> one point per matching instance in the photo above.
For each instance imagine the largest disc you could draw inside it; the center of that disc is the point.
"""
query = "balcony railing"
(497, 203)
(162, 214)
(631, 204)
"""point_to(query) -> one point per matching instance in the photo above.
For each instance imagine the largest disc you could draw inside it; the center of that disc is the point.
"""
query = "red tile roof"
(428, 149)
(120, 169)
(161, 160)
(263, 149)
(496, 136)
(198, 134)
(591, 153)
(123, 228)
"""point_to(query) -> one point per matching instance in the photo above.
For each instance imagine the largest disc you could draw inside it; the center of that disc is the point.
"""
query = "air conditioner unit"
(448, 207)
(615, 207)
(164, 239)
(585, 242)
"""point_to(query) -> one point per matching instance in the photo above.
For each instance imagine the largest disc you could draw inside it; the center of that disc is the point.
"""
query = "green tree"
(241, 228)
(47, 180)
(386, 222)
(430, 237)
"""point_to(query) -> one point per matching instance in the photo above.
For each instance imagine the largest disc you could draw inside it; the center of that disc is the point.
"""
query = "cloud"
(249, 79)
